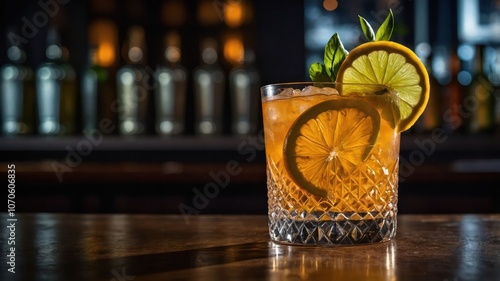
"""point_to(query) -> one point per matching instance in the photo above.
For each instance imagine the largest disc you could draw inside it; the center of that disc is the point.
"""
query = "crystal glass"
(319, 191)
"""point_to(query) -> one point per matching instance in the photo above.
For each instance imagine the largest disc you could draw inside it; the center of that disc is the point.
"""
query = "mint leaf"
(335, 54)
(384, 32)
(317, 72)
(367, 29)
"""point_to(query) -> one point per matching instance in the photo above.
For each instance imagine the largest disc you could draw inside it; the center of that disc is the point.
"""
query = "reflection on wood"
(144, 247)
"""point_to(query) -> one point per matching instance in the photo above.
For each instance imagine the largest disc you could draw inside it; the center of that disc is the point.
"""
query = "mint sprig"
(367, 29)
(318, 73)
(384, 32)
(335, 53)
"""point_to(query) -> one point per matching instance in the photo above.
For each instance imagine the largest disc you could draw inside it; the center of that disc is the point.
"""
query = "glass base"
(333, 232)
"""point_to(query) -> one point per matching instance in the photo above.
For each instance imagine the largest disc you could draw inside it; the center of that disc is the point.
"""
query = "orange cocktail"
(332, 145)
(332, 166)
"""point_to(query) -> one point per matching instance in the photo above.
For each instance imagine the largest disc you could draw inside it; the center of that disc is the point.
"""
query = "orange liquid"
(367, 192)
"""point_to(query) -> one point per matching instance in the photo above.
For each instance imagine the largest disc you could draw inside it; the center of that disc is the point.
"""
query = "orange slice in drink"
(329, 140)
(393, 70)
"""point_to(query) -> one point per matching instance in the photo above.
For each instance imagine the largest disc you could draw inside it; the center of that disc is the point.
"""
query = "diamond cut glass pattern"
(357, 201)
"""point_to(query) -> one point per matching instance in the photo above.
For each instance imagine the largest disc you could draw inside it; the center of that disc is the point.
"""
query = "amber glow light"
(105, 54)
(233, 50)
(104, 35)
(233, 13)
(330, 5)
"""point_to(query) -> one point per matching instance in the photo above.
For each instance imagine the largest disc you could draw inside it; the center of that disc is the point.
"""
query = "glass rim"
(284, 85)
(281, 84)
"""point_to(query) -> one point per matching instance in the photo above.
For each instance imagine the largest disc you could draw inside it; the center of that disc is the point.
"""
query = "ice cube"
(285, 93)
(307, 91)
(312, 90)
(329, 91)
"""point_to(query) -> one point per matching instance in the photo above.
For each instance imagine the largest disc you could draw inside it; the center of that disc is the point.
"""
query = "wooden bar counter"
(166, 247)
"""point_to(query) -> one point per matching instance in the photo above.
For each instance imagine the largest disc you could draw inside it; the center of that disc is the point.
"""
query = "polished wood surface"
(157, 247)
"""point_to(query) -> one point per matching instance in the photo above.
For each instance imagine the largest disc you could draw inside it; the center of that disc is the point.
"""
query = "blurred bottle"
(170, 92)
(98, 94)
(497, 107)
(209, 87)
(132, 85)
(494, 78)
(17, 95)
(481, 98)
(432, 116)
(244, 83)
(453, 99)
(56, 90)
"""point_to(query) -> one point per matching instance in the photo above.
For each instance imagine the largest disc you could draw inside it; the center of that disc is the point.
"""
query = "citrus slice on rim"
(330, 140)
(395, 70)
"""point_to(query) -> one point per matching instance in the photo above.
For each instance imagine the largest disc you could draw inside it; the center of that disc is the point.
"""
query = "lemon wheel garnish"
(385, 67)
(330, 139)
